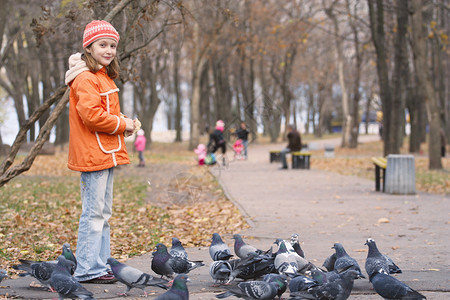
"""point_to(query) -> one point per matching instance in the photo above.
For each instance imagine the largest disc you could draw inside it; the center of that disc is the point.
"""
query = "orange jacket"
(96, 139)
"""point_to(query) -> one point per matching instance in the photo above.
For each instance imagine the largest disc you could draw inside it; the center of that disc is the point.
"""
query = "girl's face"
(103, 51)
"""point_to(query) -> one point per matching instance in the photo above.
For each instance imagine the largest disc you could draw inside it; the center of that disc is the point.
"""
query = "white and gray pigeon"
(177, 249)
(252, 290)
(343, 260)
(220, 271)
(218, 250)
(242, 249)
(134, 278)
(303, 265)
(376, 260)
(178, 290)
(3, 274)
(390, 287)
(285, 262)
(336, 290)
(65, 284)
(295, 243)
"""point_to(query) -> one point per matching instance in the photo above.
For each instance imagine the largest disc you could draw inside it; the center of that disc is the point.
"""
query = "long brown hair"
(113, 69)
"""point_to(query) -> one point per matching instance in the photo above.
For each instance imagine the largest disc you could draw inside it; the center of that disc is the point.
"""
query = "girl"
(139, 144)
(96, 144)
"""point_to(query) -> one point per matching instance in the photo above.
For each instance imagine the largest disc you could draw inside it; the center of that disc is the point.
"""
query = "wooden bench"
(380, 165)
(301, 160)
(275, 155)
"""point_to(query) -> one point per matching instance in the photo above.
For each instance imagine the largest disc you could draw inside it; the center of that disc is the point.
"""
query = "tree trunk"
(424, 81)
(176, 88)
(378, 38)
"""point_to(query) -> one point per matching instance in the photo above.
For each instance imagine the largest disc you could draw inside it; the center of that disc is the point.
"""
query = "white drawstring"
(112, 152)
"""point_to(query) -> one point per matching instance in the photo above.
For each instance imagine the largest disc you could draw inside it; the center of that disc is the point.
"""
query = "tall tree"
(424, 80)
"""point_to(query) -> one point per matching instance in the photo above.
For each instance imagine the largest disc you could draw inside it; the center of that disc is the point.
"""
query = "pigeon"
(302, 264)
(376, 260)
(343, 260)
(390, 287)
(322, 277)
(252, 290)
(178, 291)
(3, 274)
(252, 267)
(220, 271)
(42, 271)
(65, 284)
(68, 254)
(336, 290)
(279, 279)
(133, 278)
(296, 245)
(165, 264)
(242, 249)
(301, 283)
(218, 249)
(329, 262)
(285, 262)
(177, 249)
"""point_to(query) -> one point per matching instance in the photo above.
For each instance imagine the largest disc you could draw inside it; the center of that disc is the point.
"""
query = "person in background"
(294, 145)
(201, 154)
(242, 134)
(139, 145)
(96, 144)
(216, 139)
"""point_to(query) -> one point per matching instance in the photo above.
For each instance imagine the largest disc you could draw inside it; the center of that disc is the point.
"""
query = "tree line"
(268, 63)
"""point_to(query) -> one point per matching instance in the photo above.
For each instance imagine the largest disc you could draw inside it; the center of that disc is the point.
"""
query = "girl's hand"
(129, 124)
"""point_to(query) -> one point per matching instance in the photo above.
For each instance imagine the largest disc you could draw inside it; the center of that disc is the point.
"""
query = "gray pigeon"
(329, 262)
(3, 274)
(165, 264)
(390, 287)
(68, 254)
(178, 291)
(65, 284)
(41, 270)
(252, 267)
(343, 260)
(301, 283)
(280, 280)
(336, 290)
(376, 260)
(252, 290)
(218, 250)
(134, 278)
(242, 249)
(177, 249)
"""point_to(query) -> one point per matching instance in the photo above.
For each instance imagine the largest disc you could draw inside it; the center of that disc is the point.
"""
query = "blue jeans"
(283, 156)
(245, 143)
(93, 246)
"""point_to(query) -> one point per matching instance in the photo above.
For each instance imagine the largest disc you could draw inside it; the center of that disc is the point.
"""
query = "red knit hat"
(98, 30)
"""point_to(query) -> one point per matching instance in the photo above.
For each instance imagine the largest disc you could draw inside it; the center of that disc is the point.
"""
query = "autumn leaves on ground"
(172, 196)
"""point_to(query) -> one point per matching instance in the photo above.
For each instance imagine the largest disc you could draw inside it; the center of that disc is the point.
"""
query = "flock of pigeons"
(264, 274)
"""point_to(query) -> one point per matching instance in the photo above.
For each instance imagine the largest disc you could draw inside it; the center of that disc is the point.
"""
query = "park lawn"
(40, 209)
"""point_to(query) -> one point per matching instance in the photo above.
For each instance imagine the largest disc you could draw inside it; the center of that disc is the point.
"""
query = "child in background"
(139, 145)
(96, 144)
(238, 147)
(201, 154)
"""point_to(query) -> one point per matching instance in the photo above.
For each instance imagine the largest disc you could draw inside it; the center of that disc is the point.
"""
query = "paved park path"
(323, 208)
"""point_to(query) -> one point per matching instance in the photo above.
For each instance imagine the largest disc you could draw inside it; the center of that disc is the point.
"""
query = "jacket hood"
(76, 66)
